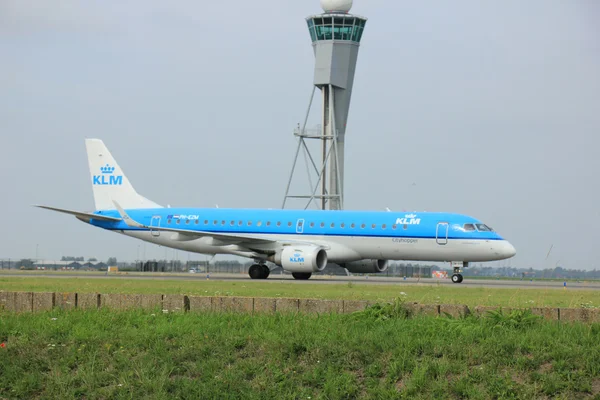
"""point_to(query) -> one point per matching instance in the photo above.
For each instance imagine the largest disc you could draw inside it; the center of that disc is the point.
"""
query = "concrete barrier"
(43, 301)
(7, 301)
(88, 301)
(151, 301)
(482, 311)
(286, 305)
(111, 301)
(454, 310)
(201, 304)
(234, 304)
(311, 306)
(65, 301)
(579, 314)
(350, 306)
(423, 309)
(34, 302)
(175, 303)
(264, 305)
(548, 313)
(23, 302)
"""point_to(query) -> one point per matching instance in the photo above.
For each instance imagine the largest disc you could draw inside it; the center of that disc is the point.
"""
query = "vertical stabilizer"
(109, 182)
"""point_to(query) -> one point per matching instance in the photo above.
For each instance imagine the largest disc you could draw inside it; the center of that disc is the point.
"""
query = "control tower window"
(469, 227)
(359, 26)
(311, 29)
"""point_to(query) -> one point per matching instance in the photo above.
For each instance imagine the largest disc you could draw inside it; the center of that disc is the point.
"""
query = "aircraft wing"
(226, 237)
(82, 215)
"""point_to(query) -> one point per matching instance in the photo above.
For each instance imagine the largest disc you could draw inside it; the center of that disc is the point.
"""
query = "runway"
(317, 279)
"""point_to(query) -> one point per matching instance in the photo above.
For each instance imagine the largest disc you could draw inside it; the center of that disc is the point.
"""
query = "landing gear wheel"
(301, 275)
(266, 271)
(457, 278)
(256, 271)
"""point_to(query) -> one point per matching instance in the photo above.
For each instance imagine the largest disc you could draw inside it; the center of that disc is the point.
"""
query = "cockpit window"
(469, 227)
(484, 228)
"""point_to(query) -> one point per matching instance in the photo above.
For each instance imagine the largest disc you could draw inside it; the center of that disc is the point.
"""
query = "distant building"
(56, 265)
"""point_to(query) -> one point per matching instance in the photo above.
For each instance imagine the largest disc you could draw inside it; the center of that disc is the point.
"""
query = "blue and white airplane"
(300, 241)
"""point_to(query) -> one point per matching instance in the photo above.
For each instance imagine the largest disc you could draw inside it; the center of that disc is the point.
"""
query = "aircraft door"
(155, 222)
(441, 233)
(300, 226)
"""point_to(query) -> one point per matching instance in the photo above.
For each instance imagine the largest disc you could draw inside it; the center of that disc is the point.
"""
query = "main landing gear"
(301, 275)
(259, 271)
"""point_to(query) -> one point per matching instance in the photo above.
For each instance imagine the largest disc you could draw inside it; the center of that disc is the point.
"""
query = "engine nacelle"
(366, 266)
(301, 259)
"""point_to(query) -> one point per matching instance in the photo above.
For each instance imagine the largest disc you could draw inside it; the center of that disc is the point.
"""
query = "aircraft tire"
(301, 275)
(457, 278)
(266, 271)
(256, 271)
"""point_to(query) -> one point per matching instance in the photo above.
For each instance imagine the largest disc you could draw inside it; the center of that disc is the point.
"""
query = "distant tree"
(92, 259)
(112, 261)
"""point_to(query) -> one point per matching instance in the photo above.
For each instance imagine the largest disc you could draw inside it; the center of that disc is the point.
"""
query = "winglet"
(126, 218)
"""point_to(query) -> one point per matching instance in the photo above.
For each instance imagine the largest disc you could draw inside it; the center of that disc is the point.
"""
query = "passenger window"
(405, 226)
(232, 223)
(394, 226)
(268, 223)
(362, 226)
(289, 224)
(259, 223)
(322, 224)
(187, 222)
(206, 222)
(353, 226)
(342, 225)
(333, 225)
(216, 222)
(469, 227)
(178, 221)
(240, 223)
(312, 224)
(278, 223)
(383, 226)
(223, 222)
(249, 223)
(374, 226)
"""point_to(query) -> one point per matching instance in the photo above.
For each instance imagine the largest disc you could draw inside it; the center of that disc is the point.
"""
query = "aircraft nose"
(508, 250)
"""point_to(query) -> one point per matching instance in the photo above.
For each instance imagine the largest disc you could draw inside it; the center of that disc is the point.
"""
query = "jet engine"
(366, 266)
(304, 259)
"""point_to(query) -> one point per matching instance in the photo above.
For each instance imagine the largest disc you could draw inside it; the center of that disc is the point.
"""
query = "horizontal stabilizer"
(82, 215)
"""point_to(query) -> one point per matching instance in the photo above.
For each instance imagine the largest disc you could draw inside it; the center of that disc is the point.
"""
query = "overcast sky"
(491, 109)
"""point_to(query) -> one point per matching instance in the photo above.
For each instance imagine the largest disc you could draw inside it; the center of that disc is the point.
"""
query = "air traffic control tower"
(336, 36)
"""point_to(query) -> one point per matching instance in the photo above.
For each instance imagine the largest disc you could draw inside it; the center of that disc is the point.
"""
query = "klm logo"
(297, 258)
(409, 219)
(106, 177)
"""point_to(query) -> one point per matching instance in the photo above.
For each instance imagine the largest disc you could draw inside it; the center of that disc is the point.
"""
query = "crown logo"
(410, 216)
(107, 169)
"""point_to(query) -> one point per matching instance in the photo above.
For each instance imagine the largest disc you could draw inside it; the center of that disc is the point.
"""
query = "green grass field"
(430, 294)
(376, 354)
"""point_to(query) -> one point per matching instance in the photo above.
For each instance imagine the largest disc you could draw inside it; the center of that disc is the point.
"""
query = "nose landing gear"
(259, 271)
(457, 277)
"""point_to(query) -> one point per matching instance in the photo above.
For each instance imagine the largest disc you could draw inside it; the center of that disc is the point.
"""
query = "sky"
(490, 109)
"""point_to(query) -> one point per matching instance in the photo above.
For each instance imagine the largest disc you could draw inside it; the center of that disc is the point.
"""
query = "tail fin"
(109, 182)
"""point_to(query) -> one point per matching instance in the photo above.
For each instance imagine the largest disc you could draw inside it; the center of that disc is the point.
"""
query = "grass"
(375, 354)
(426, 294)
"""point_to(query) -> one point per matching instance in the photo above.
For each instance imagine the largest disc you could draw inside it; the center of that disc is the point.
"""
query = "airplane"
(302, 242)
